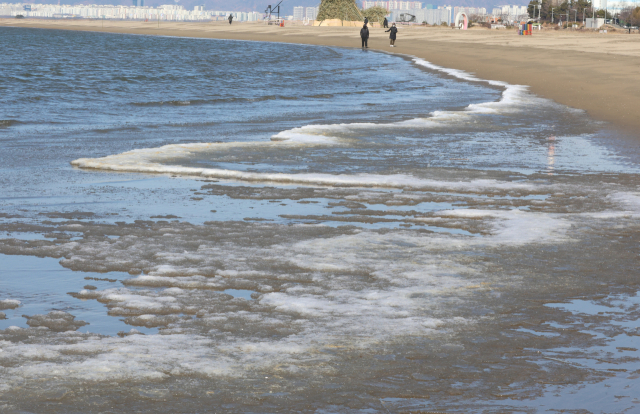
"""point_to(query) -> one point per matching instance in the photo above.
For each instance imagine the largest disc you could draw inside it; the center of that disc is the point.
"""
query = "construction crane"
(274, 9)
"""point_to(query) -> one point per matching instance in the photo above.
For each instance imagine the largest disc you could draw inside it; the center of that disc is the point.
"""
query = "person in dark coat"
(392, 35)
(364, 35)
(230, 18)
(366, 21)
(385, 23)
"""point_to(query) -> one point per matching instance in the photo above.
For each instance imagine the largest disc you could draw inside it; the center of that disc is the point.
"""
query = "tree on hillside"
(339, 9)
(375, 14)
(630, 16)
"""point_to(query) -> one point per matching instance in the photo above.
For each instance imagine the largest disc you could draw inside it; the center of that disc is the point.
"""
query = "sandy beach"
(591, 71)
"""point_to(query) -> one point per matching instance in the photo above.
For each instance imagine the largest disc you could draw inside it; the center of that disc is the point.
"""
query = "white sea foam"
(150, 160)
(146, 160)
(514, 97)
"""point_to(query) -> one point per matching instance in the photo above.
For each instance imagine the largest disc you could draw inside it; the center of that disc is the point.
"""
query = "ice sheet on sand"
(112, 359)
(517, 226)
(315, 287)
(629, 200)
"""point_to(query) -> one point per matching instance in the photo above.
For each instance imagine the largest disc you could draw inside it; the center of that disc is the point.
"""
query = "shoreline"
(593, 72)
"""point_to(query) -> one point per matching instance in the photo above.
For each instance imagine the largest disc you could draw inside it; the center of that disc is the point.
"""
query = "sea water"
(196, 224)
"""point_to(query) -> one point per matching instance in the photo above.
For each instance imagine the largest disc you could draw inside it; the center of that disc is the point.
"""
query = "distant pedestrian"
(392, 35)
(230, 18)
(366, 21)
(385, 23)
(364, 35)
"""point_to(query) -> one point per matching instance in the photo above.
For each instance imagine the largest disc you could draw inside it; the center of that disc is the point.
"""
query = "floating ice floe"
(9, 304)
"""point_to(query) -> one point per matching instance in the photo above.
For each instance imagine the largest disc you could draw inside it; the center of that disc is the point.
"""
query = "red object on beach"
(282, 23)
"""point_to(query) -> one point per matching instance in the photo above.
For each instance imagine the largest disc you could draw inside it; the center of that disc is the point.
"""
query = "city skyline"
(257, 5)
(142, 9)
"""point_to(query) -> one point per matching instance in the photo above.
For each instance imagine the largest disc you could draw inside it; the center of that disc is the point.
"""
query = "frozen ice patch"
(9, 304)
(57, 321)
(517, 226)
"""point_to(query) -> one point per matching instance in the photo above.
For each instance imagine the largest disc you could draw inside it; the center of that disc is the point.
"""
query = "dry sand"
(599, 73)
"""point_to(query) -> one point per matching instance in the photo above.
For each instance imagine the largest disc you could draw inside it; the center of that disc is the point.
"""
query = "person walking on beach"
(230, 18)
(385, 23)
(364, 35)
(366, 21)
(392, 35)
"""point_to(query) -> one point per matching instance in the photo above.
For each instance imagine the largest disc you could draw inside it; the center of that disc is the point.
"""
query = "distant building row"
(509, 10)
(394, 5)
(166, 12)
(301, 13)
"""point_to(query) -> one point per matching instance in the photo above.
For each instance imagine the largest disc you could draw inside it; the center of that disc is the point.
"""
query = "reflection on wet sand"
(551, 152)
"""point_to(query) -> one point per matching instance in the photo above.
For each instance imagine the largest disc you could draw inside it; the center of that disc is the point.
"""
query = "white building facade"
(469, 11)
(311, 13)
(599, 4)
(512, 11)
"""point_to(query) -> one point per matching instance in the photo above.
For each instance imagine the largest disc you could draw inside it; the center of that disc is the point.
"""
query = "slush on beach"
(320, 207)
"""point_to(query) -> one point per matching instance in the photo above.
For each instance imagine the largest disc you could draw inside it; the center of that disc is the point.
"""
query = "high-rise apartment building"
(393, 5)
(481, 11)
(512, 11)
(311, 13)
(298, 13)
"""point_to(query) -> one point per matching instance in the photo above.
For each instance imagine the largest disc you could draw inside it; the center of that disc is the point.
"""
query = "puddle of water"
(547, 334)
(240, 293)
(21, 236)
(619, 357)
(41, 284)
(420, 207)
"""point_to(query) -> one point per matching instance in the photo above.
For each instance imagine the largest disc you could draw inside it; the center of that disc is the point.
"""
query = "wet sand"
(595, 72)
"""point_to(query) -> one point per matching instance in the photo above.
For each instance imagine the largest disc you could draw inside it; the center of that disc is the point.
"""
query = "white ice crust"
(9, 304)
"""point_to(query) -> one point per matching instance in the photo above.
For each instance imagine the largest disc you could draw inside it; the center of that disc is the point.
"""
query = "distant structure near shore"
(302, 13)
(168, 12)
